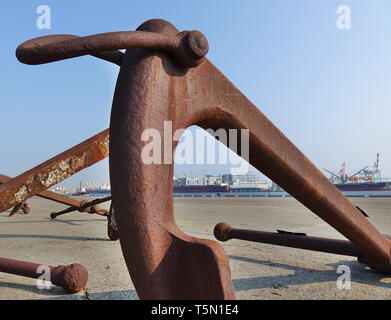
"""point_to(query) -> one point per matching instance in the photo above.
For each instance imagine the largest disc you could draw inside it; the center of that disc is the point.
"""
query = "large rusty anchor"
(82, 206)
(36, 181)
(165, 77)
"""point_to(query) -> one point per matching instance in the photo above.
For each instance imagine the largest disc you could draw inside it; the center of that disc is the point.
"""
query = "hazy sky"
(327, 89)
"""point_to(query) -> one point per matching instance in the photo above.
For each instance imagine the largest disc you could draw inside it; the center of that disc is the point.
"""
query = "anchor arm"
(220, 104)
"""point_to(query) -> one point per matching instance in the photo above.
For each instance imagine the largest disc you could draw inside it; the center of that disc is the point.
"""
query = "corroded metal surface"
(112, 229)
(155, 84)
(225, 232)
(152, 88)
(21, 205)
(53, 196)
(156, 251)
(92, 207)
(85, 206)
(188, 47)
(37, 180)
(72, 278)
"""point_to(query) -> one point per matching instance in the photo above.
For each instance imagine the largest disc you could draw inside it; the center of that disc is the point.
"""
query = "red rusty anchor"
(165, 77)
(36, 181)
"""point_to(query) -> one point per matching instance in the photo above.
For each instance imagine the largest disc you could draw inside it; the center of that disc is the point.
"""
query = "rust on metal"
(188, 47)
(86, 206)
(53, 196)
(155, 250)
(166, 81)
(37, 180)
(225, 232)
(21, 205)
(72, 278)
(112, 229)
(93, 208)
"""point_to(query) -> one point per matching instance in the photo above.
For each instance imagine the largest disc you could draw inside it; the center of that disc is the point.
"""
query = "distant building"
(58, 189)
(249, 180)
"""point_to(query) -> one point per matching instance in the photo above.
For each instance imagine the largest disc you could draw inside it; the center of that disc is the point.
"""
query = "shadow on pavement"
(109, 295)
(359, 274)
(49, 236)
(53, 291)
(57, 293)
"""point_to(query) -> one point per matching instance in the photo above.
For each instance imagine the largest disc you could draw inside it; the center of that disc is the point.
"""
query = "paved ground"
(258, 271)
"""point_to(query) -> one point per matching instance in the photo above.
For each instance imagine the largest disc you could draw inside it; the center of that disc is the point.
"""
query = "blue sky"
(326, 89)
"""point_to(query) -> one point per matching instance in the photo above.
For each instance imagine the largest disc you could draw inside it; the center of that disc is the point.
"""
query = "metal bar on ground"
(90, 207)
(72, 278)
(225, 232)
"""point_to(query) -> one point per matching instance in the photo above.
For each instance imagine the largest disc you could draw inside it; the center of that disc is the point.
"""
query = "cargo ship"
(382, 189)
(99, 192)
(202, 189)
(370, 186)
(223, 190)
(364, 183)
(227, 191)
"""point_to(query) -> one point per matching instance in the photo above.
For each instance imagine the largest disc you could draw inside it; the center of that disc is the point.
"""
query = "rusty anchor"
(72, 278)
(165, 77)
(82, 206)
(91, 207)
(37, 180)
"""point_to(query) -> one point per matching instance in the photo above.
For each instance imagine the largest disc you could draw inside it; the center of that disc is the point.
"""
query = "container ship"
(370, 186)
(221, 190)
(365, 182)
(216, 189)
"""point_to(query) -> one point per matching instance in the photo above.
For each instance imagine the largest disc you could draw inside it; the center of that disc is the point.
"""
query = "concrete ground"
(259, 271)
